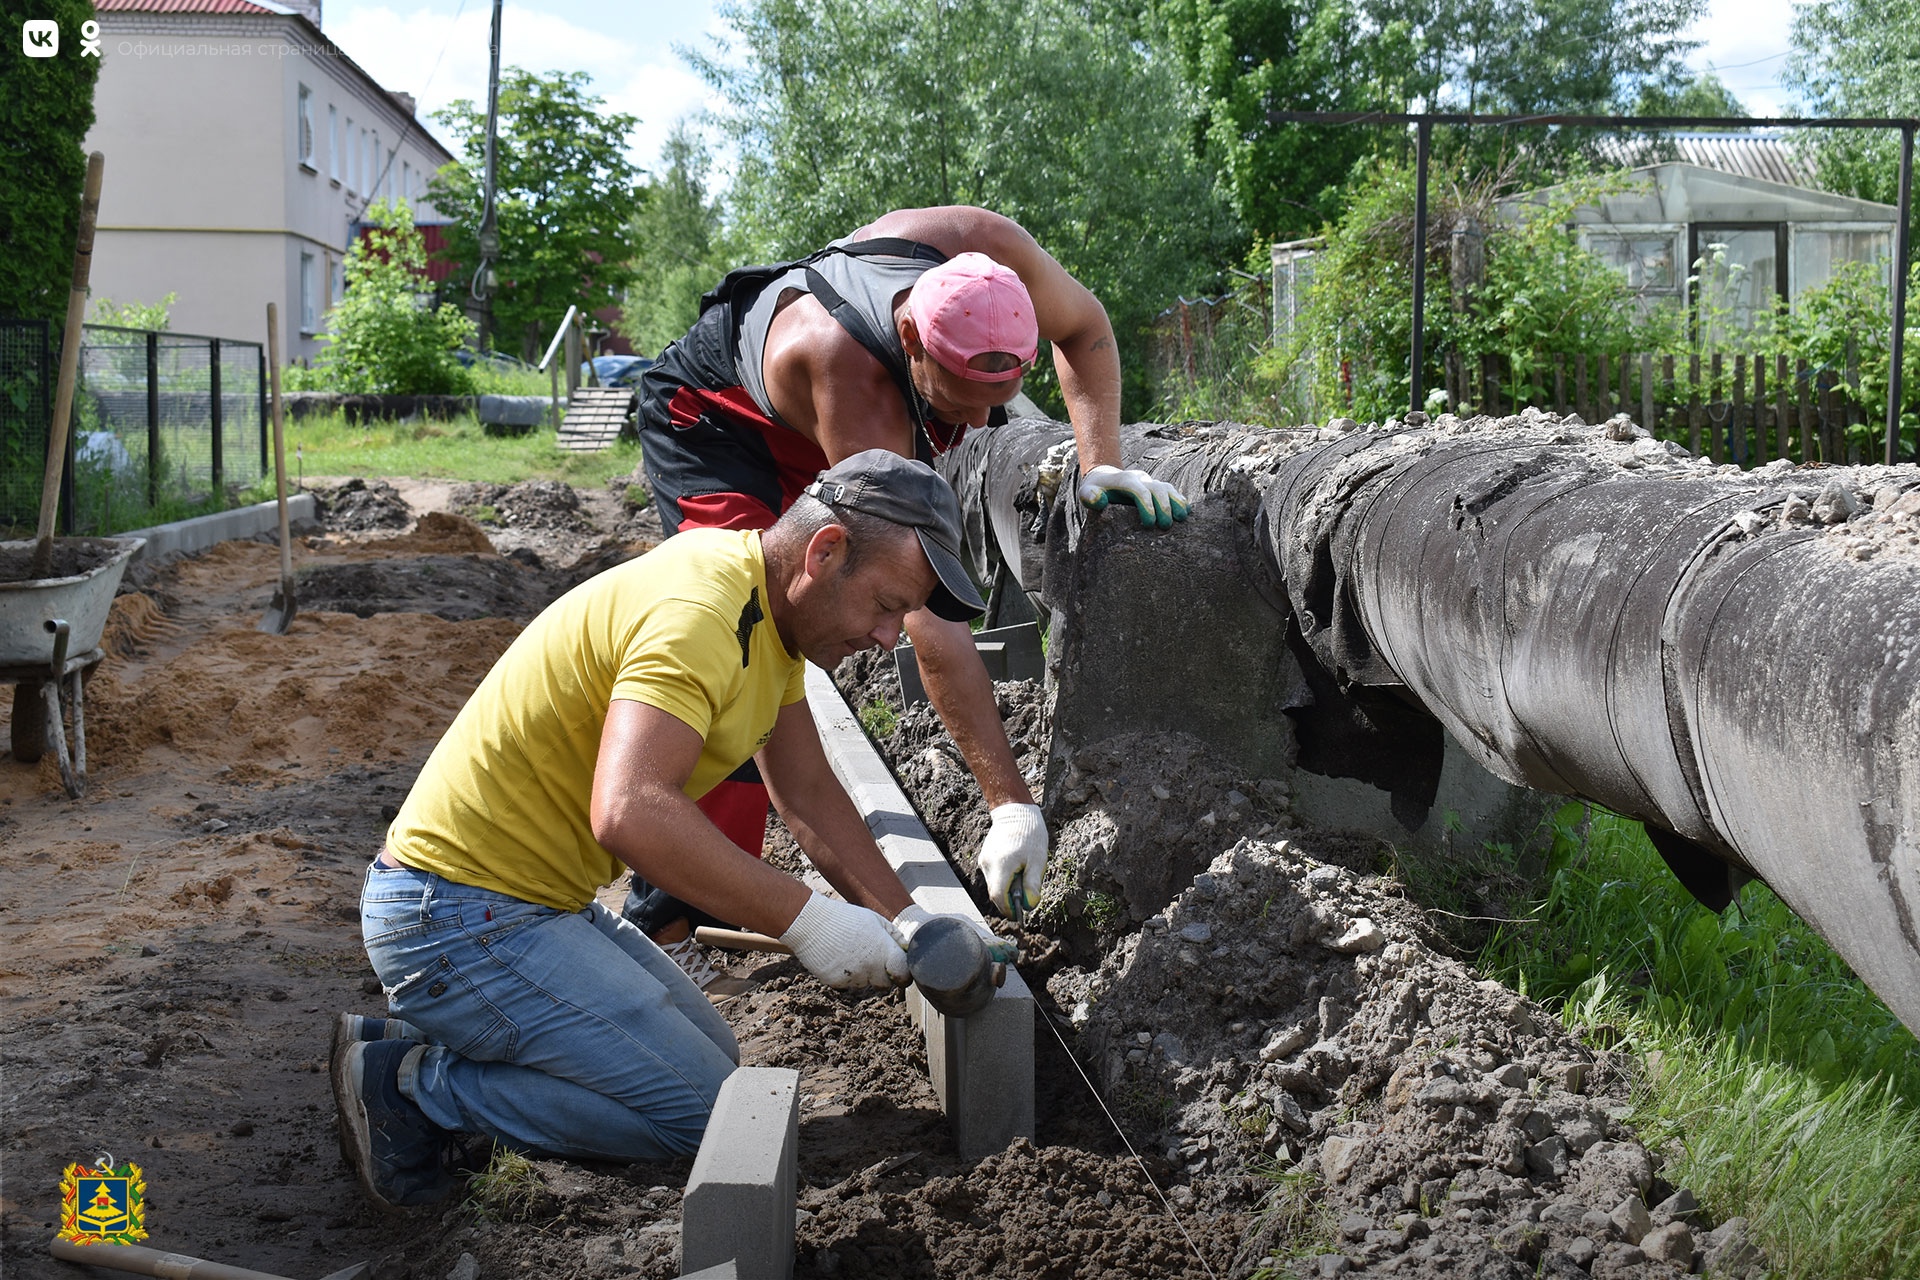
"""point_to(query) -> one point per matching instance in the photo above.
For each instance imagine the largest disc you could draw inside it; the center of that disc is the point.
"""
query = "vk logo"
(40, 37)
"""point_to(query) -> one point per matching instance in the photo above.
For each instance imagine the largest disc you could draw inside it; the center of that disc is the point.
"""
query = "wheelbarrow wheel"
(29, 722)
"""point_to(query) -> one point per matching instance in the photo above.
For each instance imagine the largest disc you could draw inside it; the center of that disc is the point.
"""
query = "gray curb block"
(187, 536)
(738, 1211)
(982, 1066)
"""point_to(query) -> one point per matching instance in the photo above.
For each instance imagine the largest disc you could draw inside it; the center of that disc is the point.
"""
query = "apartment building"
(242, 149)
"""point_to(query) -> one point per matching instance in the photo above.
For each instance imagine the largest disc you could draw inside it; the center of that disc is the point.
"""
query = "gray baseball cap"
(879, 482)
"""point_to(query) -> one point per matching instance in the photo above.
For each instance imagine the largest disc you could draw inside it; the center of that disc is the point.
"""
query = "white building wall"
(205, 195)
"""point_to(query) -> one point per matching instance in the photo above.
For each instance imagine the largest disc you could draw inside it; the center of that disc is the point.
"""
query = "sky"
(437, 51)
(1746, 44)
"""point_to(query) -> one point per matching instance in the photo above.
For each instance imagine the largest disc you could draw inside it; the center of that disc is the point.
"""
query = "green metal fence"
(164, 425)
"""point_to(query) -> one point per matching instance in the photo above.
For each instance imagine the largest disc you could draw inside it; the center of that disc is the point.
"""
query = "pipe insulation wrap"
(1586, 612)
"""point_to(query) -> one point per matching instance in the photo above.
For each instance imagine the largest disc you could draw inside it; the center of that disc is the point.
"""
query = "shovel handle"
(152, 1262)
(279, 439)
(70, 347)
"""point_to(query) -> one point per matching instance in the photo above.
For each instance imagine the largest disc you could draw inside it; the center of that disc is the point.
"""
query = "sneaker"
(392, 1147)
(348, 1027)
(691, 957)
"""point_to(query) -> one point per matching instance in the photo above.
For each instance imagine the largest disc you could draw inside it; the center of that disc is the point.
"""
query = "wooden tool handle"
(279, 440)
(70, 348)
(740, 940)
(152, 1262)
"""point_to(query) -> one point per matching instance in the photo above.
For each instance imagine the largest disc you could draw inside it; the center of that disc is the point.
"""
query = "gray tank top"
(869, 284)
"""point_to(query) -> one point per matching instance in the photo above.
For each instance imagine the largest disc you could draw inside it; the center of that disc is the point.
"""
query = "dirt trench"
(1296, 1065)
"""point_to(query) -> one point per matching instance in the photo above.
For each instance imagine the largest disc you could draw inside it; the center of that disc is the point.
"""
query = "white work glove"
(1014, 852)
(847, 946)
(1157, 501)
(908, 923)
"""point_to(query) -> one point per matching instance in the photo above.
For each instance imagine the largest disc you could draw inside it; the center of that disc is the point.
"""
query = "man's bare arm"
(823, 818)
(962, 693)
(640, 815)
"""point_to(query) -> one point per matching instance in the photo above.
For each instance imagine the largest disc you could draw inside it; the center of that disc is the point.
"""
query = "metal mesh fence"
(26, 402)
(1203, 351)
(165, 425)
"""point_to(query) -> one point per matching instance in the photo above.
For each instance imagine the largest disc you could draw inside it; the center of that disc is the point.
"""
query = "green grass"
(454, 450)
(493, 380)
(879, 718)
(509, 1189)
(1781, 1089)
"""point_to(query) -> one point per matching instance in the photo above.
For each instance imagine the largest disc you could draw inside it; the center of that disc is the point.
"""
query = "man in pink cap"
(901, 336)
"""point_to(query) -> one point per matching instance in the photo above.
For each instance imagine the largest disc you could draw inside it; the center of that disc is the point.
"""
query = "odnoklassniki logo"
(105, 1204)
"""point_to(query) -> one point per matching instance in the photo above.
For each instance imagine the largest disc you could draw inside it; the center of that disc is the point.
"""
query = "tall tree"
(1039, 109)
(1527, 56)
(46, 108)
(565, 196)
(679, 245)
(1703, 95)
(1857, 58)
(1247, 58)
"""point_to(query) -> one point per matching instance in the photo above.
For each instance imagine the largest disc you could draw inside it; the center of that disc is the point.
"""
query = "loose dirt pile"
(1284, 1035)
(1295, 1063)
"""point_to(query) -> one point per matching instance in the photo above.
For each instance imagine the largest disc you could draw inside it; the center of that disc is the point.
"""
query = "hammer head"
(953, 967)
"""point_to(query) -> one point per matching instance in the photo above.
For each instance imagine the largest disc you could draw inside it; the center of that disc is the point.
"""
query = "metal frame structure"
(1423, 122)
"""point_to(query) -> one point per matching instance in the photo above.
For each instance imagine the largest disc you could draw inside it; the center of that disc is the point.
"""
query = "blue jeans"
(561, 1031)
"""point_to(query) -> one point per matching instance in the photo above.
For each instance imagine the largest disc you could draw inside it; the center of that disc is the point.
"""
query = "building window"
(389, 172)
(366, 174)
(339, 280)
(376, 177)
(333, 141)
(308, 315)
(1647, 259)
(406, 181)
(352, 175)
(306, 126)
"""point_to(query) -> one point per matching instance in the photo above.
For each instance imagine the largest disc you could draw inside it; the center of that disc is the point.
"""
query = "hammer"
(954, 968)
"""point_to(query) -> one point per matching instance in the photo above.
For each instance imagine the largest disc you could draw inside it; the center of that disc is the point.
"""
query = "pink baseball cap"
(969, 306)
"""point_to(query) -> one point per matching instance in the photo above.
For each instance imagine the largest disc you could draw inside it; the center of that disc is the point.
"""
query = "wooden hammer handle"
(740, 940)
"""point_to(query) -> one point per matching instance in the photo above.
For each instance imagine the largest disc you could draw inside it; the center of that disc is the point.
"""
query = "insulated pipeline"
(1732, 657)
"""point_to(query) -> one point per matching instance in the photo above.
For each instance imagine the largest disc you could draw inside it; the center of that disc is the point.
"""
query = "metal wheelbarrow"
(50, 632)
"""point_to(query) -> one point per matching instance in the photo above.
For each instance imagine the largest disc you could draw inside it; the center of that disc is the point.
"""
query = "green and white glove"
(1158, 502)
(847, 947)
(1013, 858)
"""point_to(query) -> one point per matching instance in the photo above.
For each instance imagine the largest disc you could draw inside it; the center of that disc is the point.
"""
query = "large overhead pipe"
(1731, 657)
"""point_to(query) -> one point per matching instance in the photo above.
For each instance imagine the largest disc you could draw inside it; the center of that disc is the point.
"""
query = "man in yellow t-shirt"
(522, 1008)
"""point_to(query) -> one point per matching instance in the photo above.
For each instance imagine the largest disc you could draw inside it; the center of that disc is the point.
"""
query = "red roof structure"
(183, 6)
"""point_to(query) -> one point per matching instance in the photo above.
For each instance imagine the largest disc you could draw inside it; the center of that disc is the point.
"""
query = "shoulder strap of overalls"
(861, 331)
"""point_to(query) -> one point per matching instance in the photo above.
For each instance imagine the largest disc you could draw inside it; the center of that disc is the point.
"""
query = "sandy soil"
(178, 939)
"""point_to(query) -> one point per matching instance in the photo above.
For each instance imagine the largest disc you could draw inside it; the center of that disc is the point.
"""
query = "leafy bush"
(382, 338)
(135, 315)
(46, 108)
(1542, 292)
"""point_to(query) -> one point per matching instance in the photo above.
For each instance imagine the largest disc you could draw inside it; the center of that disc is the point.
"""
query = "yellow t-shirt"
(503, 802)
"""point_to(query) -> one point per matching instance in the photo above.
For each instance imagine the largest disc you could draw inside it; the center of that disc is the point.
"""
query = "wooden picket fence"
(1735, 407)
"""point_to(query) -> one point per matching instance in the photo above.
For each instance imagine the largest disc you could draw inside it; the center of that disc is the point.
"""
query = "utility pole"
(485, 278)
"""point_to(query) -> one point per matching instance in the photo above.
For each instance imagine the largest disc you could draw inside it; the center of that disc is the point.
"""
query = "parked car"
(617, 371)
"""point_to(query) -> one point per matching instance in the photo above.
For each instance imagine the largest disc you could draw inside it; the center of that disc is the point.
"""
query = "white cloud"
(425, 51)
(1745, 43)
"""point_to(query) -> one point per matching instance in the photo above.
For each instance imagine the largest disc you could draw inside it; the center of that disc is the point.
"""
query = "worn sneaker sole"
(350, 1115)
(348, 1030)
